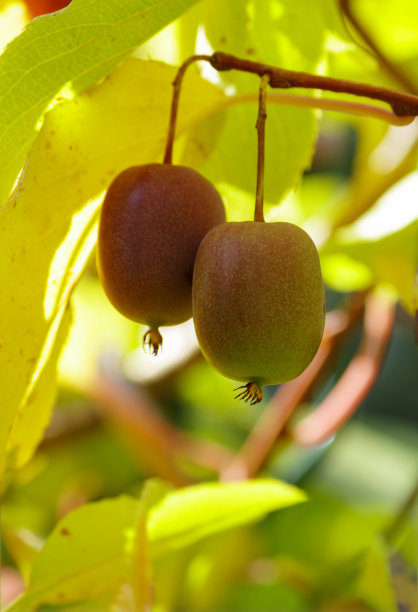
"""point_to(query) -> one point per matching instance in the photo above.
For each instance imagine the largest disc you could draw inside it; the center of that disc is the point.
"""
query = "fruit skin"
(258, 301)
(152, 222)
(41, 7)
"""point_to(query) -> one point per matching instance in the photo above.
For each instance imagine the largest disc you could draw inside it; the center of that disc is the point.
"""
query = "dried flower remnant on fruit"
(251, 393)
(153, 340)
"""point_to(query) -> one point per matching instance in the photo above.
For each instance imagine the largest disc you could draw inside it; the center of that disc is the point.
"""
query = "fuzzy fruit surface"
(152, 222)
(258, 300)
(40, 7)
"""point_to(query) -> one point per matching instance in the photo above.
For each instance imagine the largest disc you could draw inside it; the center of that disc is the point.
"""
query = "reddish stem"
(175, 102)
(357, 380)
(271, 424)
(260, 127)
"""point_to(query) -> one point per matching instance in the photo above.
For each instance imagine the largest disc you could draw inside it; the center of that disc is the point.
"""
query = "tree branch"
(355, 383)
(271, 424)
(401, 103)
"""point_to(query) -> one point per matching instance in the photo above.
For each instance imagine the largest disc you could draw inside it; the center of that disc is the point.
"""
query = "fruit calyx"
(252, 393)
(153, 340)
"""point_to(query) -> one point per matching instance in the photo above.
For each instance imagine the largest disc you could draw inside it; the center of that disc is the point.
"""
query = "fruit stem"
(175, 102)
(260, 127)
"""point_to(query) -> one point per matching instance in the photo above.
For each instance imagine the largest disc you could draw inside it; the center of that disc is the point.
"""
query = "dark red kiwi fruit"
(153, 220)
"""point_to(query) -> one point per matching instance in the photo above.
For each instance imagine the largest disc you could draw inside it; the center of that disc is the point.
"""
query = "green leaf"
(374, 582)
(100, 604)
(394, 25)
(84, 142)
(191, 513)
(280, 33)
(290, 137)
(382, 244)
(76, 48)
(134, 594)
(96, 543)
(321, 534)
(91, 544)
(34, 411)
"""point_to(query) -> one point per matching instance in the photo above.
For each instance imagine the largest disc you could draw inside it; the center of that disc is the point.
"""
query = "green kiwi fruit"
(258, 302)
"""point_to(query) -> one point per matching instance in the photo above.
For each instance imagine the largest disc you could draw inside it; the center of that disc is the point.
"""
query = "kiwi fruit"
(152, 222)
(258, 302)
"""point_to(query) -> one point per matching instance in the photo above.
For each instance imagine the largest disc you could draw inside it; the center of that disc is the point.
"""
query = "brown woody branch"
(401, 103)
(356, 381)
(272, 422)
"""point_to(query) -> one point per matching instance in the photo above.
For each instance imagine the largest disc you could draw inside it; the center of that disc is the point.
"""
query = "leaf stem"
(401, 103)
(175, 102)
(260, 127)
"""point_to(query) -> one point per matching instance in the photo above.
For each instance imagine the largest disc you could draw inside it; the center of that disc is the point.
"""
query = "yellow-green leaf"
(381, 246)
(91, 545)
(47, 230)
(189, 514)
(75, 47)
(35, 409)
(96, 543)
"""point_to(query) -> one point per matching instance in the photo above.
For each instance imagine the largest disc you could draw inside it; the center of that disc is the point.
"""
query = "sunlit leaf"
(95, 543)
(83, 143)
(77, 46)
(99, 604)
(385, 240)
(290, 137)
(399, 40)
(91, 544)
(191, 513)
(134, 594)
(34, 412)
(23, 546)
(283, 34)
